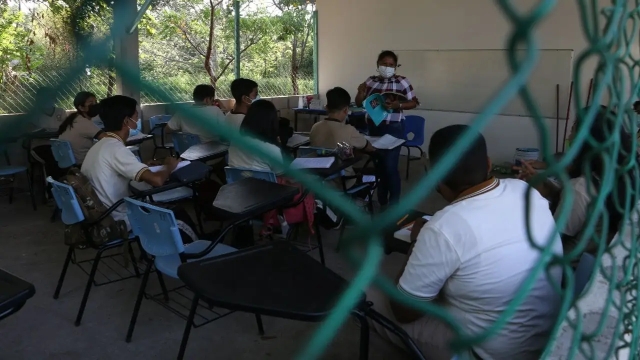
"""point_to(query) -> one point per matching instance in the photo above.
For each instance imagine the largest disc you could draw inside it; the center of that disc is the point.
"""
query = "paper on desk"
(312, 163)
(297, 139)
(368, 178)
(404, 234)
(137, 137)
(181, 164)
(385, 142)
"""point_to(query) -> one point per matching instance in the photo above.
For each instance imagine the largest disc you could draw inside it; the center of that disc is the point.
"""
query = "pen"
(403, 219)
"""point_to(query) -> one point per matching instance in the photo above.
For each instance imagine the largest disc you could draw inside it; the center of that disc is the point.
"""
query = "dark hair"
(242, 87)
(589, 163)
(636, 104)
(471, 168)
(80, 99)
(388, 53)
(114, 110)
(203, 91)
(337, 99)
(261, 122)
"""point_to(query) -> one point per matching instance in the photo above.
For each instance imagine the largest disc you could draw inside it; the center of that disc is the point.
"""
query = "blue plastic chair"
(183, 141)
(236, 174)
(63, 153)
(414, 124)
(157, 130)
(160, 237)
(71, 213)
(10, 171)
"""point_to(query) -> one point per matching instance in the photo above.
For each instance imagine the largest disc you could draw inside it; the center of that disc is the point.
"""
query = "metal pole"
(236, 11)
(139, 16)
(316, 85)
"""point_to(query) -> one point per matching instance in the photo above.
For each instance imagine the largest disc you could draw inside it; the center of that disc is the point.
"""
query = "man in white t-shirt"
(473, 257)
(244, 92)
(206, 113)
(110, 166)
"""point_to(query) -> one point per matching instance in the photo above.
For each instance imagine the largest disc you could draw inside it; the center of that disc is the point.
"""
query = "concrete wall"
(352, 33)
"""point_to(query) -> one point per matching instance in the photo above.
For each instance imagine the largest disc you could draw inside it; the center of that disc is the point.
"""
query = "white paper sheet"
(312, 163)
(368, 178)
(404, 234)
(136, 137)
(297, 139)
(385, 142)
(181, 164)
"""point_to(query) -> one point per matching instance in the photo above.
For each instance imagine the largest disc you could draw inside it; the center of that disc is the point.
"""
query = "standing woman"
(387, 82)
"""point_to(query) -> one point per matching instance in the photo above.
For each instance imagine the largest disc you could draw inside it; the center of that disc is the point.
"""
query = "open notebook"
(312, 163)
(181, 164)
(385, 142)
(404, 234)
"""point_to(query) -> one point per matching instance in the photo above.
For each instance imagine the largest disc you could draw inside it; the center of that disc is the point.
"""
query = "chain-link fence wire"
(36, 48)
(276, 46)
(610, 33)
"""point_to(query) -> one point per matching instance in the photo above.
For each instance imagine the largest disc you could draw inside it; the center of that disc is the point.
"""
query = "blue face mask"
(136, 131)
(254, 100)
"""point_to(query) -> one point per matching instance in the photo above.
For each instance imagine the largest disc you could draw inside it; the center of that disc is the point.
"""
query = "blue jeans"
(390, 183)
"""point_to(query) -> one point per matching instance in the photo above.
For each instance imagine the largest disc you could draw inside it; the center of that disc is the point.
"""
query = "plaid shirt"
(395, 84)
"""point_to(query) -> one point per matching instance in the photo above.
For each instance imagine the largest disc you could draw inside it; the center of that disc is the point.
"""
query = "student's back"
(189, 121)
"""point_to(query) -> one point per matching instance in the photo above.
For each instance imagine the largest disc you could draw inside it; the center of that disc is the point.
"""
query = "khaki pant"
(431, 335)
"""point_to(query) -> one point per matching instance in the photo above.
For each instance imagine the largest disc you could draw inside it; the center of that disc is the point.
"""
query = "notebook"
(181, 164)
(404, 234)
(385, 142)
(137, 136)
(313, 163)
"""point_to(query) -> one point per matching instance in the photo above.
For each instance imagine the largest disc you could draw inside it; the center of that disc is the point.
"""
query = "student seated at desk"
(110, 166)
(473, 257)
(333, 130)
(260, 126)
(46, 115)
(586, 186)
(79, 128)
(204, 100)
(244, 92)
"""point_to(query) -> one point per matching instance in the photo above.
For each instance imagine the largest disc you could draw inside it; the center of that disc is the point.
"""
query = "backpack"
(92, 208)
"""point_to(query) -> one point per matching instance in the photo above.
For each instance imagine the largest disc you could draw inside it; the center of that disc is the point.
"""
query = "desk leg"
(259, 322)
(295, 121)
(364, 335)
(188, 326)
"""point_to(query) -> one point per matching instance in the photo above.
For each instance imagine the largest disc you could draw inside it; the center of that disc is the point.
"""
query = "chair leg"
(259, 322)
(163, 286)
(87, 289)
(134, 263)
(13, 183)
(408, 161)
(187, 329)
(364, 335)
(33, 195)
(67, 260)
(136, 308)
(320, 247)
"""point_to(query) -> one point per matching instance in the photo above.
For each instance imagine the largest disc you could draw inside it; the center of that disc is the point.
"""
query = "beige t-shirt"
(189, 124)
(81, 137)
(328, 133)
(44, 121)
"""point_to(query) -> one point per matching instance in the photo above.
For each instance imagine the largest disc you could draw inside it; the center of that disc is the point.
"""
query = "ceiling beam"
(143, 9)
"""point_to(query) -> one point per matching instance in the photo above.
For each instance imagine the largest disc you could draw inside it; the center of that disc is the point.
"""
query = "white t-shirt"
(110, 166)
(476, 253)
(239, 158)
(234, 120)
(182, 122)
(579, 207)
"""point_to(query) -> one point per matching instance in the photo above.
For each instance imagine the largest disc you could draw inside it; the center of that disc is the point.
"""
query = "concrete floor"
(33, 249)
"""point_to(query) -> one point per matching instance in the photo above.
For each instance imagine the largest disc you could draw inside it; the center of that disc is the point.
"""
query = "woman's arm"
(362, 94)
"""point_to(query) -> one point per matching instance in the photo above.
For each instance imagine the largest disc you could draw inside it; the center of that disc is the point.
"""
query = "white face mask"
(386, 72)
(251, 101)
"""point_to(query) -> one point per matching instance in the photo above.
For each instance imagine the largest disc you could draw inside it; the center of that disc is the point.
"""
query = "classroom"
(426, 179)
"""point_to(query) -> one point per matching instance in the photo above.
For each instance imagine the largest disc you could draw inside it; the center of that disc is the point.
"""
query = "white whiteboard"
(465, 80)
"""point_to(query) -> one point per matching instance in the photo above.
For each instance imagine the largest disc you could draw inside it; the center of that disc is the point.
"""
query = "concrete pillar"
(126, 48)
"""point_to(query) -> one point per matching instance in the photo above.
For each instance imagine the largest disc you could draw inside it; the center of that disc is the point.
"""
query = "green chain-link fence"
(37, 43)
(611, 33)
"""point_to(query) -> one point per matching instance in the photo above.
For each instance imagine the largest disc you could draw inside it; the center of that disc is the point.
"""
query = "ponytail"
(68, 122)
